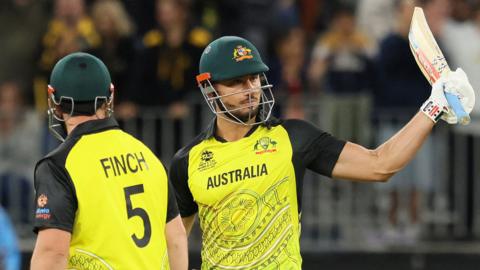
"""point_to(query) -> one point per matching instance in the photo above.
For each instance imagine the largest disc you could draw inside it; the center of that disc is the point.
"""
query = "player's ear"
(54, 106)
(110, 102)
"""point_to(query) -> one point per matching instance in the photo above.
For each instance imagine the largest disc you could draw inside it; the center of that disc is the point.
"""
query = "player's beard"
(239, 115)
(245, 116)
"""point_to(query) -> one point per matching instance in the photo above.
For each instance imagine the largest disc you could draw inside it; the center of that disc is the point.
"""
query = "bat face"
(430, 59)
(425, 49)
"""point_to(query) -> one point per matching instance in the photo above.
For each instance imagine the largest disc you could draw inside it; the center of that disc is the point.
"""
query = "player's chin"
(248, 109)
(249, 105)
(247, 113)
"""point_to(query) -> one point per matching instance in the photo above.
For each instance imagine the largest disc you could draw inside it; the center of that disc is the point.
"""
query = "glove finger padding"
(457, 83)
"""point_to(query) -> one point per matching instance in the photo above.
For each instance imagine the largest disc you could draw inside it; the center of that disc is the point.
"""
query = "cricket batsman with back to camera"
(103, 198)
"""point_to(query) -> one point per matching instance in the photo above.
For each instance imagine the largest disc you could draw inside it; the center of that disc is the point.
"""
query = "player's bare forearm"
(51, 250)
(361, 164)
(403, 146)
(48, 260)
(177, 244)
(188, 223)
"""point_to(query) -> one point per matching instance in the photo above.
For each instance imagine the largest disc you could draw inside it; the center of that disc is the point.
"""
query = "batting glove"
(436, 105)
(457, 84)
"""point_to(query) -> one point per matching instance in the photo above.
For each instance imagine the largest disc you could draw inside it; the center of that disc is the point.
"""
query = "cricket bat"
(430, 59)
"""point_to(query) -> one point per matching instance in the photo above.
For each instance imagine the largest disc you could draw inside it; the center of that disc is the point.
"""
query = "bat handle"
(454, 102)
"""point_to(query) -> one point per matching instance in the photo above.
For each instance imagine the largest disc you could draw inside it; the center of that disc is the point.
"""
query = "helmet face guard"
(218, 107)
(57, 107)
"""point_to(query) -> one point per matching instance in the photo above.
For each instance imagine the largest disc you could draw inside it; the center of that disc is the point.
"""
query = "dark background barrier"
(367, 261)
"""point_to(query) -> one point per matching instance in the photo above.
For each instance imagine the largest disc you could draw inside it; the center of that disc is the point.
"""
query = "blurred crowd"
(351, 57)
(351, 51)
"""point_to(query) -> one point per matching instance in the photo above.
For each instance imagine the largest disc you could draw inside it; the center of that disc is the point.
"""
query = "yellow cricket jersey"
(111, 192)
(248, 192)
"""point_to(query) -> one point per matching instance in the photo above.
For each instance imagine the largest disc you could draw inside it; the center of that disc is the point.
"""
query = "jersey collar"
(94, 126)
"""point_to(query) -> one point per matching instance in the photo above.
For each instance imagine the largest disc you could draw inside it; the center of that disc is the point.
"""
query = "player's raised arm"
(358, 163)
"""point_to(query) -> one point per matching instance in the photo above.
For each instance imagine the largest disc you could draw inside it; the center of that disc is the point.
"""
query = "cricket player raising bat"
(243, 175)
(433, 65)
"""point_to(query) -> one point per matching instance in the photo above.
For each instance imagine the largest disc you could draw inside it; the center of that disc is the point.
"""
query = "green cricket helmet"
(79, 84)
(227, 58)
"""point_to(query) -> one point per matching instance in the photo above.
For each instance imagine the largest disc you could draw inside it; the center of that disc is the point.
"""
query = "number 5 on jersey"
(140, 212)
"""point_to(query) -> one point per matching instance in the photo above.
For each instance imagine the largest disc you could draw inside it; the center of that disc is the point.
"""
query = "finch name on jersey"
(237, 175)
(123, 164)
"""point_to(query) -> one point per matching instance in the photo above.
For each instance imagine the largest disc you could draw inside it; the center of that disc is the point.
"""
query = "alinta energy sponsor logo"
(265, 145)
(42, 212)
(206, 160)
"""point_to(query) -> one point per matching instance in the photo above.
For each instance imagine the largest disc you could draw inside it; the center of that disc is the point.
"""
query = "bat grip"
(454, 102)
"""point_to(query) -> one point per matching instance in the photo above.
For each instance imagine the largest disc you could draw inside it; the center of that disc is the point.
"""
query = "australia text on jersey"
(237, 175)
(123, 164)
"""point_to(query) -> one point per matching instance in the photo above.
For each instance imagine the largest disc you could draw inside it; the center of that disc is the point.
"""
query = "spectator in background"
(437, 13)
(206, 14)
(18, 151)
(463, 54)
(289, 66)
(167, 63)
(374, 18)
(9, 253)
(70, 30)
(22, 23)
(255, 25)
(116, 50)
(402, 87)
(141, 13)
(314, 15)
(341, 68)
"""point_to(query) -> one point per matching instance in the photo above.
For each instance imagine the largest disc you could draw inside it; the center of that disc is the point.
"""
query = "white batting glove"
(457, 83)
(436, 105)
